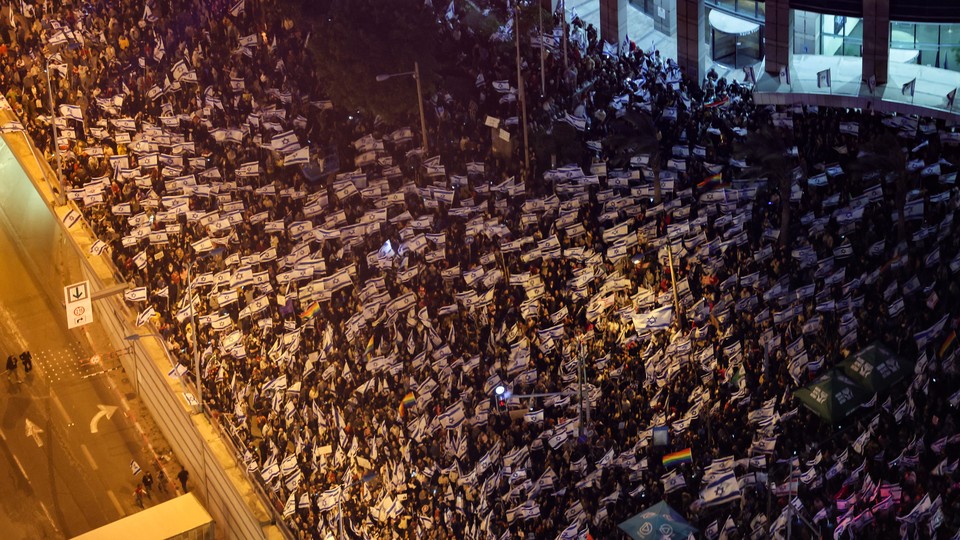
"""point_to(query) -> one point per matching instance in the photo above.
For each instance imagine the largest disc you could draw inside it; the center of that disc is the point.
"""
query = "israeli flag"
(657, 319)
(72, 112)
(328, 499)
(299, 157)
(289, 465)
(145, 315)
(135, 295)
(673, 481)
(823, 79)
(723, 490)
(251, 168)
(785, 76)
(285, 142)
(271, 471)
(453, 417)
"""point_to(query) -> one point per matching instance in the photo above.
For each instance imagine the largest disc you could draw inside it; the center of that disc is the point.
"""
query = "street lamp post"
(196, 349)
(522, 96)
(423, 119)
(193, 319)
(56, 136)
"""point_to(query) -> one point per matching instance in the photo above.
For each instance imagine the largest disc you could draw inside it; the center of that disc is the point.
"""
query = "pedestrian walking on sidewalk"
(27, 359)
(12, 373)
(183, 476)
(138, 495)
(161, 481)
(148, 483)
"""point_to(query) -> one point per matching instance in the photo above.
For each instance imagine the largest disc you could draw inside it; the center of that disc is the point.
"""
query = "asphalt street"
(67, 431)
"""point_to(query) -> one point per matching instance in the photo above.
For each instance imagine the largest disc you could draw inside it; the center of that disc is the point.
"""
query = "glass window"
(950, 58)
(902, 35)
(928, 34)
(747, 7)
(950, 34)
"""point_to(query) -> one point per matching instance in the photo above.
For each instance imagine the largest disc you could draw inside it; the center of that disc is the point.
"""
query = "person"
(183, 475)
(12, 368)
(27, 359)
(148, 482)
(138, 495)
(161, 481)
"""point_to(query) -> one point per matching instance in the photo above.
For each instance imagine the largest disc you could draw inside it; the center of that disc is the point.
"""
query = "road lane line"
(49, 517)
(116, 503)
(22, 470)
(62, 409)
(89, 456)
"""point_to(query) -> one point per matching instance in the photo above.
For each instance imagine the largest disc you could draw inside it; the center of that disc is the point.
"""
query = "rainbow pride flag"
(370, 346)
(408, 401)
(311, 310)
(711, 182)
(676, 458)
(951, 338)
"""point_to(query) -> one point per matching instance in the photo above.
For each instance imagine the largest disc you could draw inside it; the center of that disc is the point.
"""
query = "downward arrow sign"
(34, 431)
(105, 410)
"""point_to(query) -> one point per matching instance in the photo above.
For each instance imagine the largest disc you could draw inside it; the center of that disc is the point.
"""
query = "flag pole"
(673, 279)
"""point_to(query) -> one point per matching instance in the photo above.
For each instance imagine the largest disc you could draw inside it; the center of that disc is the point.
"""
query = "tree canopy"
(360, 39)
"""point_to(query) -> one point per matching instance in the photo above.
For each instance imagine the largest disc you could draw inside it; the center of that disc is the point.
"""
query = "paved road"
(63, 480)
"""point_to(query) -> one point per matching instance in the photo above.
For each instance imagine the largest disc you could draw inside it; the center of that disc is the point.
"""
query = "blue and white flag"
(823, 78)
(285, 142)
(271, 471)
(135, 295)
(73, 112)
(237, 8)
(673, 481)
(924, 337)
(578, 123)
(299, 157)
(145, 315)
(909, 88)
(658, 319)
(721, 491)
(251, 168)
(453, 417)
(784, 75)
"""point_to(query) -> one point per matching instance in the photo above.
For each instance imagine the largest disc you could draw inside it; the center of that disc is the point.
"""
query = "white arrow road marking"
(34, 431)
(105, 410)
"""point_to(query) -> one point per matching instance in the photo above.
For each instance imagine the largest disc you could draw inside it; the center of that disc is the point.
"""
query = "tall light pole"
(543, 69)
(523, 96)
(193, 320)
(423, 118)
(563, 27)
(196, 330)
(61, 196)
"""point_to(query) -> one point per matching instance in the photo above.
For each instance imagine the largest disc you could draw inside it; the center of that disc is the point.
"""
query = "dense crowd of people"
(353, 330)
